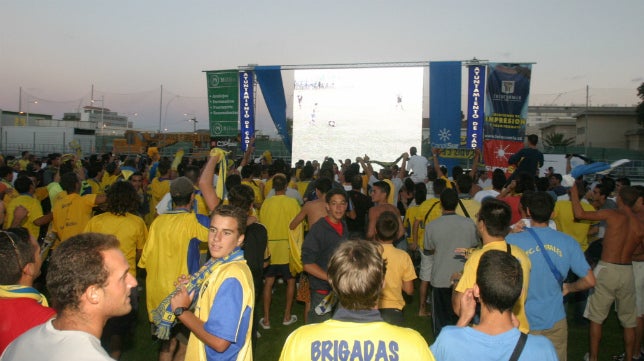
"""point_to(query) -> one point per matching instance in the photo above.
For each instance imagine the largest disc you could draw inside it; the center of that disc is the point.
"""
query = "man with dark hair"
(276, 214)
(544, 308)
(121, 221)
(499, 284)
(356, 271)
(528, 159)
(172, 249)
(446, 233)
(379, 194)
(614, 272)
(220, 324)
(88, 283)
(72, 211)
(23, 306)
(493, 225)
(319, 244)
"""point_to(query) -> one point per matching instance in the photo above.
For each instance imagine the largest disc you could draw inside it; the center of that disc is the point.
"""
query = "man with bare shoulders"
(314, 210)
(379, 193)
(614, 272)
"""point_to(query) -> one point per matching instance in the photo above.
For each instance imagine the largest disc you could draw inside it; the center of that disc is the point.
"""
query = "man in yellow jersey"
(71, 210)
(172, 249)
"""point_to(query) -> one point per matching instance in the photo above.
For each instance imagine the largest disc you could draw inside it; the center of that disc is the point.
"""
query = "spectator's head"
(380, 191)
(69, 182)
(192, 172)
(540, 205)
(336, 203)
(356, 182)
(279, 182)
(232, 180)
(307, 172)
(498, 179)
(413, 151)
(23, 184)
(449, 200)
(439, 186)
(420, 193)
(628, 195)
(533, 139)
(19, 257)
(464, 182)
(122, 198)
(356, 273)
(164, 166)
(241, 196)
(89, 274)
(495, 215)
(227, 228)
(323, 185)
(499, 280)
(182, 191)
(387, 226)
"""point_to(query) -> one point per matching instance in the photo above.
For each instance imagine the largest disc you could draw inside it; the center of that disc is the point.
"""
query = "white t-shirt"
(45, 343)
(418, 165)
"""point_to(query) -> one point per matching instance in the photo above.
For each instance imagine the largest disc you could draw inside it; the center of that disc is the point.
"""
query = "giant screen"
(345, 113)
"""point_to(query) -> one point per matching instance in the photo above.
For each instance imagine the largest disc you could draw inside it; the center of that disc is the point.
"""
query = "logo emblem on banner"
(214, 80)
(444, 134)
(507, 87)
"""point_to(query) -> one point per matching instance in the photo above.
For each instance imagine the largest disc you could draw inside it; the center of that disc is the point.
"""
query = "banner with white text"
(246, 108)
(223, 103)
(475, 106)
(506, 111)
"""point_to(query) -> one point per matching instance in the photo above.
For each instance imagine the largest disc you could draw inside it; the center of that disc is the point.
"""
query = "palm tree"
(557, 140)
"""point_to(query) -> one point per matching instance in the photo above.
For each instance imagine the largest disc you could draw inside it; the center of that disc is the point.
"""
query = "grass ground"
(141, 347)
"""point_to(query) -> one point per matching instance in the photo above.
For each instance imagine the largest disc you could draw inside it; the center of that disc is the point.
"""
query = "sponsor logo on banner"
(507, 87)
(475, 106)
(246, 108)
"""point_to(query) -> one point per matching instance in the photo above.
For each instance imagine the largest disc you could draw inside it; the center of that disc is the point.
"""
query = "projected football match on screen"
(344, 113)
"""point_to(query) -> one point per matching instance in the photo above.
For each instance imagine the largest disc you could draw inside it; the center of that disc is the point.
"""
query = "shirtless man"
(614, 272)
(313, 211)
(379, 193)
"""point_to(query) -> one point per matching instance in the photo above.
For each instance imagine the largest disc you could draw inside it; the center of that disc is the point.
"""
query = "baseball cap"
(181, 186)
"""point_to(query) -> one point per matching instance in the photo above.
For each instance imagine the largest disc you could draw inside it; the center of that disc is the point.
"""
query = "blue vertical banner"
(272, 86)
(246, 108)
(445, 104)
(475, 106)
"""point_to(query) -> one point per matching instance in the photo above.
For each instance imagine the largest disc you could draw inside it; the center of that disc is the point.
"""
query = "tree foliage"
(640, 106)
(557, 140)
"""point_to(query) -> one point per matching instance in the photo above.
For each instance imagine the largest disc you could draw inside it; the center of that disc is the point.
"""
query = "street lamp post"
(27, 113)
(194, 121)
